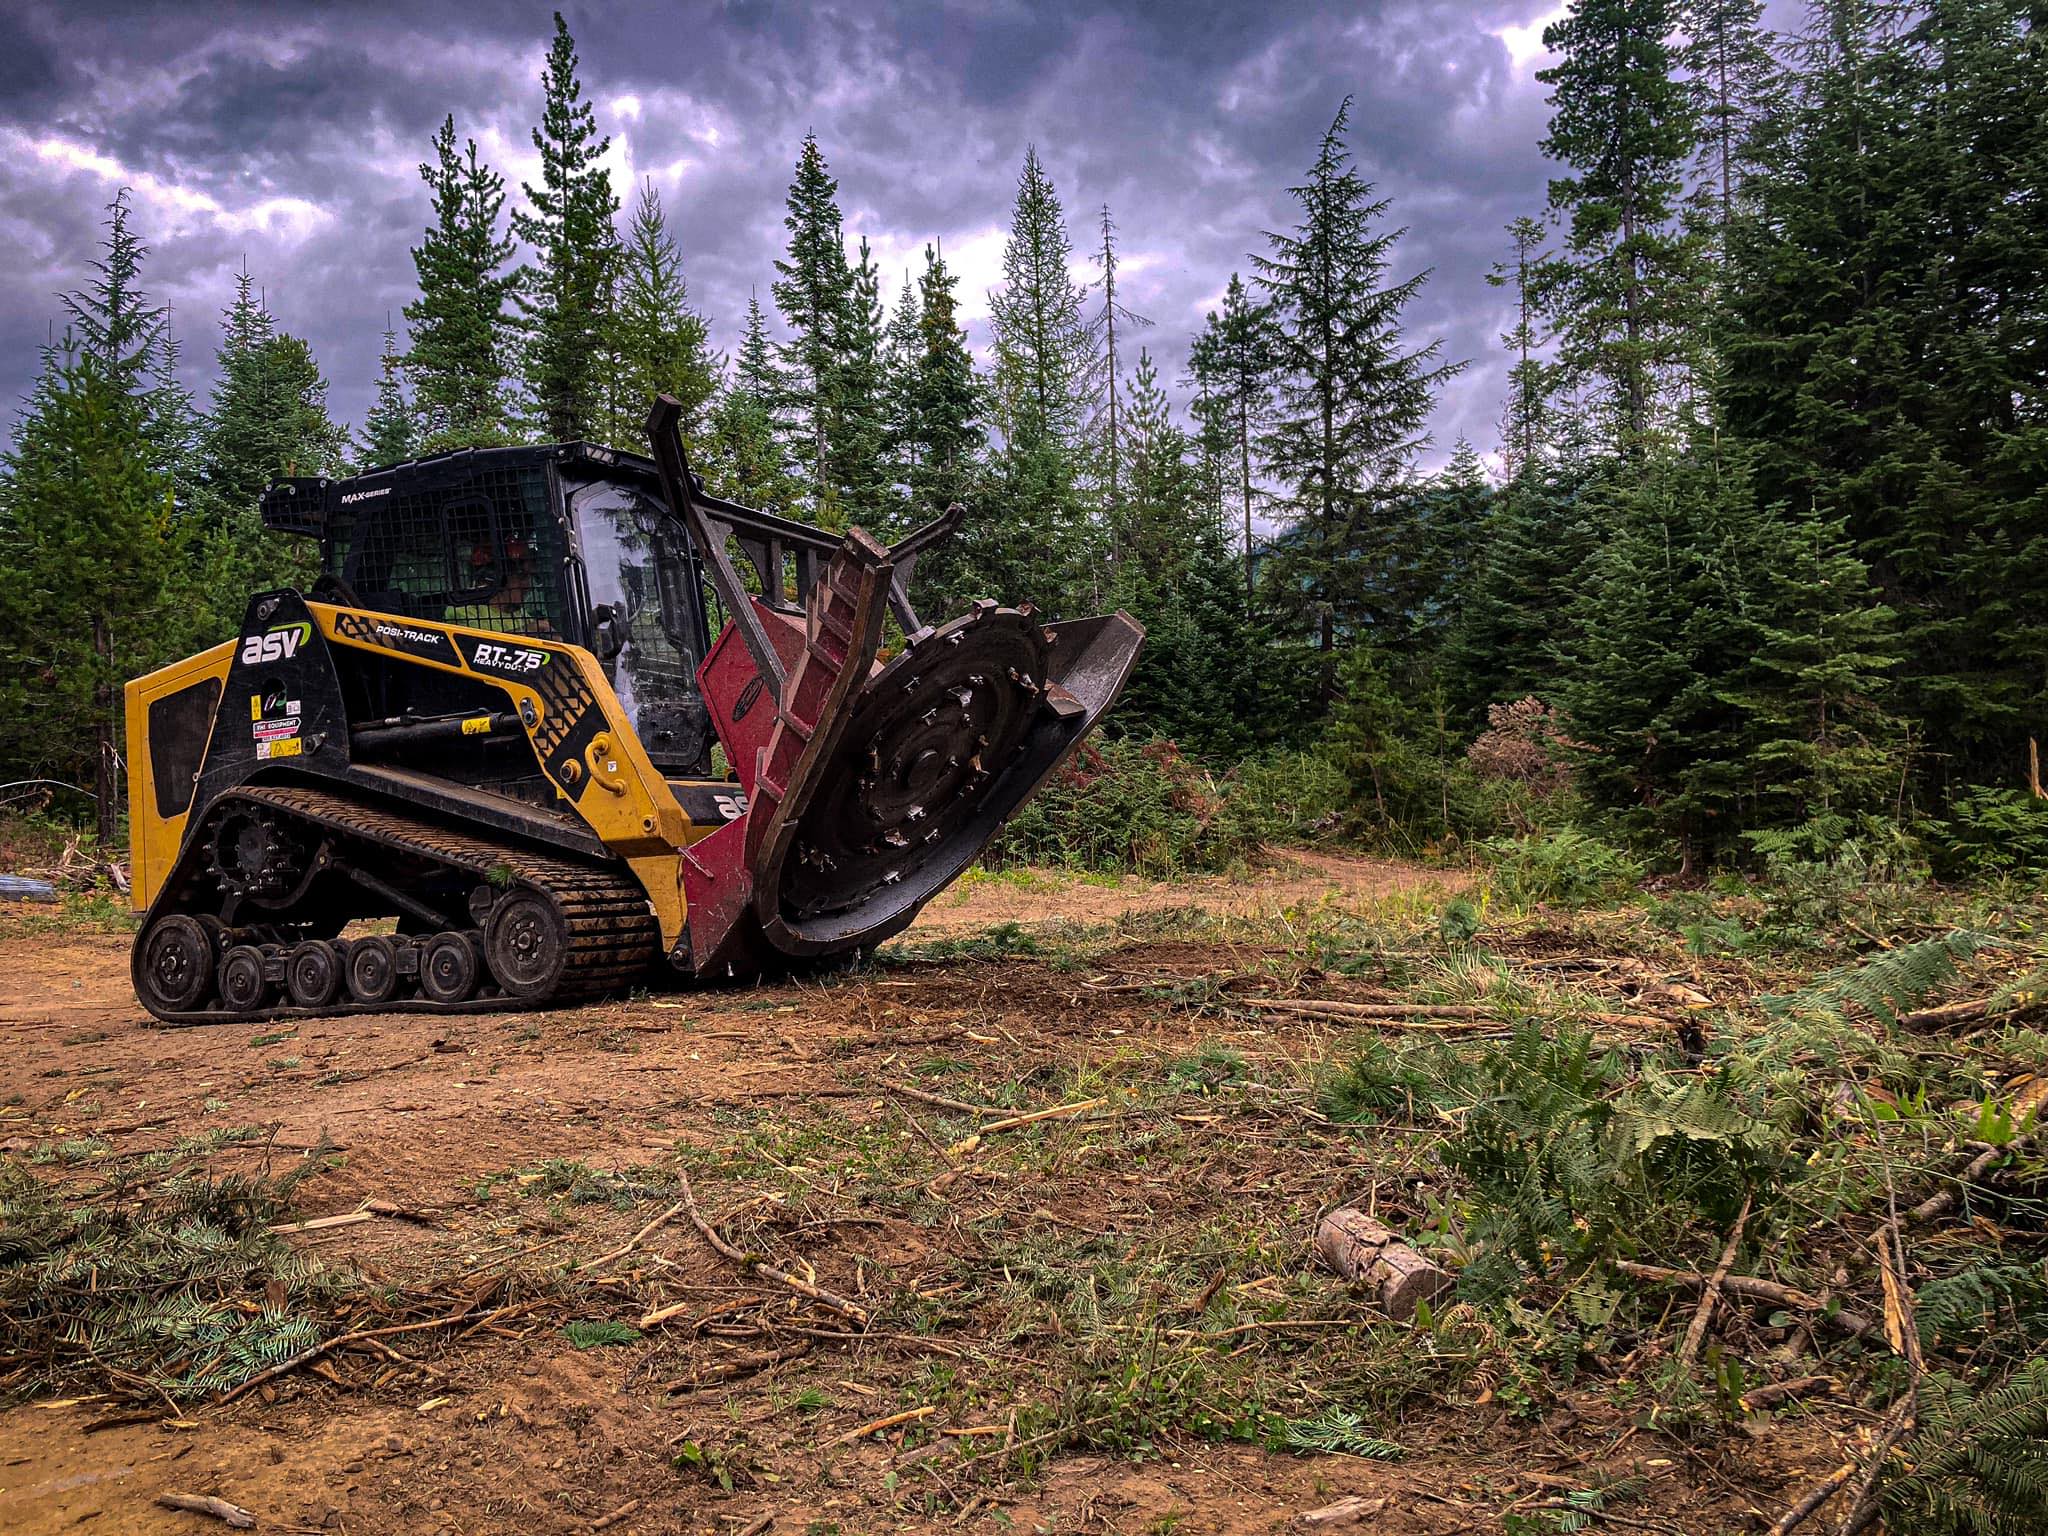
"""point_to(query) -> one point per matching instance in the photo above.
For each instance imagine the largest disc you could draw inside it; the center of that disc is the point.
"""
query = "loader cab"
(570, 542)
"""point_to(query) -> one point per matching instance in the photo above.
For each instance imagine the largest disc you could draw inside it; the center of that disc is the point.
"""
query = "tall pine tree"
(566, 292)
(390, 430)
(1353, 397)
(459, 359)
(654, 342)
(1031, 536)
(1233, 361)
(1625, 292)
(814, 292)
(744, 456)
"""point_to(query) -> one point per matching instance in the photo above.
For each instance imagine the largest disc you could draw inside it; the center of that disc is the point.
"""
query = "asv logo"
(278, 644)
(510, 658)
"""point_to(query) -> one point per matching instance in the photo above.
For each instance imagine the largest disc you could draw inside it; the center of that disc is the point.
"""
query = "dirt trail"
(515, 1431)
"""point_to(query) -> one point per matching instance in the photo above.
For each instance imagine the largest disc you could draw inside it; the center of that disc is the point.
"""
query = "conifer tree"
(1736, 87)
(1625, 291)
(902, 350)
(268, 419)
(1726, 661)
(390, 430)
(566, 293)
(87, 535)
(1030, 536)
(814, 293)
(946, 396)
(111, 322)
(1881, 350)
(863, 490)
(83, 536)
(1353, 397)
(459, 355)
(1528, 564)
(744, 454)
(1827, 748)
(655, 343)
(1523, 420)
(175, 425)
(1233, 361)
(1104, 328)
(1196, 680)
(1044, 354)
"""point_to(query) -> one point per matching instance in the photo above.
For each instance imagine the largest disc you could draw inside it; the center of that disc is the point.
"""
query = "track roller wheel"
(451, 965)
(242, 987)
(373, 969)
(527, 944)
(173, 964)
(312, 973)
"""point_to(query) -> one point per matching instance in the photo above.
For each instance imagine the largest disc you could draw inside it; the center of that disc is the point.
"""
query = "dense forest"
(1757, 568)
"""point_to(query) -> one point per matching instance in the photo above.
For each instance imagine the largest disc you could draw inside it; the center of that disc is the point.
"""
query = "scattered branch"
(852, 1311)
(1711, 1291)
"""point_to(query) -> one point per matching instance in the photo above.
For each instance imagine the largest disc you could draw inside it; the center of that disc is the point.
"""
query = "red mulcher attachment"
(870, 787)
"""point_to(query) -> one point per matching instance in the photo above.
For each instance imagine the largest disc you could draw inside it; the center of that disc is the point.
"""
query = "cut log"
(1361, 1249)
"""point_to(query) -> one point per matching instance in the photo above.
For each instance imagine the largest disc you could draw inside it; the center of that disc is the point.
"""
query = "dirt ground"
(783, 1102)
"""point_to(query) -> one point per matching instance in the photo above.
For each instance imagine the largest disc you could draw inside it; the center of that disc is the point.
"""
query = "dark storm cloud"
(288, 137)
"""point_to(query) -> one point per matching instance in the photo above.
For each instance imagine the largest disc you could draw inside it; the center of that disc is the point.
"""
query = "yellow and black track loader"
(498, 718)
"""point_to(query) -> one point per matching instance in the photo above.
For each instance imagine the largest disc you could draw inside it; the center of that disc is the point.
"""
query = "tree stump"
(1359, 1248)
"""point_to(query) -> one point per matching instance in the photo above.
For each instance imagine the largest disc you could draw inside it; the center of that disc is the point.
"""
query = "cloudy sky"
(289, 137)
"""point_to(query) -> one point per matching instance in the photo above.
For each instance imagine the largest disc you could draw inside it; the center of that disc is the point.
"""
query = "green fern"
(1888, 983)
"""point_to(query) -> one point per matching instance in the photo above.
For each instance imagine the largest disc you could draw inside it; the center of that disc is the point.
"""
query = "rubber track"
(613, 938)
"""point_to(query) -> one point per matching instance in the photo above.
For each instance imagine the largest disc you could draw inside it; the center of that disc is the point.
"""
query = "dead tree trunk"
(1359, 1248)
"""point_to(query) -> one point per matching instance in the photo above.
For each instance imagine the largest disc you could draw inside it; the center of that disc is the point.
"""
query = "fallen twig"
(361, 1335)
(1816, 1496)
(1058, 1112)
(1947, 1013)
(606, 1522)
(1772, 1393)
(634, 1241)
(1711, 1292)
(960, 1106)
(1942, 1201)
(1762, 1290)
(321, 1223)
(1903, 1328)
(847, 1309)
(874, 1426)
(206, 1504)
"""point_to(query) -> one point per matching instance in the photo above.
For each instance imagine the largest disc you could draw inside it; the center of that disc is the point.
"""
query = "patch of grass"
(596, 1333)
